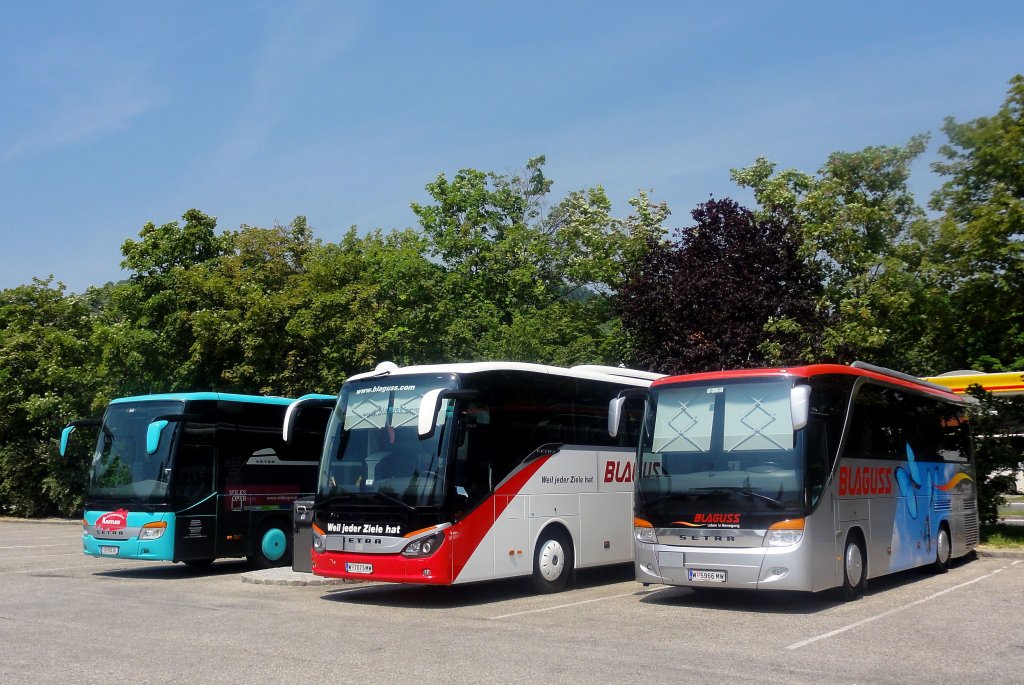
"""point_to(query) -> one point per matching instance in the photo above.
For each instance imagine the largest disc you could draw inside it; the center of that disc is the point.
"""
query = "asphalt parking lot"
(65, 617)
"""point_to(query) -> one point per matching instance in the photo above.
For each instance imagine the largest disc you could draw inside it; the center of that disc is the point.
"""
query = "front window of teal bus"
(132, 464)
(720, 455)
(373, 450)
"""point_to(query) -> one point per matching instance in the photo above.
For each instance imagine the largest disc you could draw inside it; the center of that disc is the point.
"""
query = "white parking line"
(871, 619)
(561, 606)
(24, 546)
(42, 570)
(37, 556)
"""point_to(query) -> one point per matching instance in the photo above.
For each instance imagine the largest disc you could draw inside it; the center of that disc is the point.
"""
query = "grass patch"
(1003, 536)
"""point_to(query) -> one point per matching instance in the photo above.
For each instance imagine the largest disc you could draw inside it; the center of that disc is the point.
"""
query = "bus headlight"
(644, 531)
(423, 547)
(784, 533)
(319, 539)
(153, 530)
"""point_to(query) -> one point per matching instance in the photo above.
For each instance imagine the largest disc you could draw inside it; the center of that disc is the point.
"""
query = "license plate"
(109, 550)
(358, 568)
(705, 576)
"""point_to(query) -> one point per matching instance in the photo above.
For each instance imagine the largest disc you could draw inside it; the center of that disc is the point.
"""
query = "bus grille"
(971, 529)
(943, 503)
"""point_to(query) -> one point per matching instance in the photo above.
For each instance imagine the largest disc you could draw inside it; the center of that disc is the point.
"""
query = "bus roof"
(192, 396)
(1004, 384)
(592, 372)
(856, 369)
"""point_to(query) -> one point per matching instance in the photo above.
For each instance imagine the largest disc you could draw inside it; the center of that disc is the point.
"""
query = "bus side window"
(193, 474)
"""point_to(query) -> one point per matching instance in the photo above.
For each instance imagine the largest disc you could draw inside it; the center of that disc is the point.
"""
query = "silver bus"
(804, 478)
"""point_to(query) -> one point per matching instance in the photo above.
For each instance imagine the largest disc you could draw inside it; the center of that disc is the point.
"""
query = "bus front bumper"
(388, 568)
(775, 568)
(127, 542)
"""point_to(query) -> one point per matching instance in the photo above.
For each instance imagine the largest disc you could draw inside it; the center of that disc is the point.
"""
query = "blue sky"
(115, 114)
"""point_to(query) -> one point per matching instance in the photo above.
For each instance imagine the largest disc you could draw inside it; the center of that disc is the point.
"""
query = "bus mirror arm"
(430, 404)
(615, 408)
(70, 428)
(157, 425)
(296, 407)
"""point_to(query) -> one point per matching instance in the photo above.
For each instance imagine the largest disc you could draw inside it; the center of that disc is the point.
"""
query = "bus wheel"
(943, 550)
(198, 563)
(853, 569)
(552, 561)
(273, 547)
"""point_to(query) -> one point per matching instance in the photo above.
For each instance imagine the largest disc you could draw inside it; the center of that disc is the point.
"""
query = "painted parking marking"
(562, 606)
(871, 619)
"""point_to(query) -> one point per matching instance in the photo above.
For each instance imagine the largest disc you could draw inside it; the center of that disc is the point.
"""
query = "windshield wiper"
(663, 498)
(392, 499)
(748, 491)
(330, 500)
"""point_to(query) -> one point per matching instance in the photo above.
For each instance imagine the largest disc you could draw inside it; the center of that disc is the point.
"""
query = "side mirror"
(615, 415)
(430, 404)
(64, 435)
(296, 407)
(800, 405)
(153, 435)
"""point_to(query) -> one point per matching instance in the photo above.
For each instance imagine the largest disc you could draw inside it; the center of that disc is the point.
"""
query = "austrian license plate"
(705, 576)
(358, 568)
(109, 550)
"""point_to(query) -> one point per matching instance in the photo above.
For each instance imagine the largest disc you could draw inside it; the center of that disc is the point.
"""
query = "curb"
(1000, 553)
(285, 576)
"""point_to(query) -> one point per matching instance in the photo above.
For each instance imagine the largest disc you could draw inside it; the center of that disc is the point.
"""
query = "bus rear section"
(192, 477)
(801, 479)
(462, 473)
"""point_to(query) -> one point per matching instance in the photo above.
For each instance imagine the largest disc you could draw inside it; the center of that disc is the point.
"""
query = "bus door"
(195, 502)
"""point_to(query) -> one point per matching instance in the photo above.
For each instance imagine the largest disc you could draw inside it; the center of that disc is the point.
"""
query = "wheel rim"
(552, 560)
(274, 544)
(854, 565)
(943, 546)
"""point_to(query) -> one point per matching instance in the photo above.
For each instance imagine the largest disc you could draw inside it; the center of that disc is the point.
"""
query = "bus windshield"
(720, 445)
(373, 451)
(122, 469)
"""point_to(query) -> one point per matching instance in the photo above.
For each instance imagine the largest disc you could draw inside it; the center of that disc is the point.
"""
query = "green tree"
(519, 282)
(146, 332)
(981, 233)
(862, 230)
(47, 374)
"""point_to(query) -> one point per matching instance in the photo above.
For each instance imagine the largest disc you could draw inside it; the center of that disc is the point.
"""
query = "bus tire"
(272, 546)
(943, 550)
(198, 563)
(854, 569)
(552, 561)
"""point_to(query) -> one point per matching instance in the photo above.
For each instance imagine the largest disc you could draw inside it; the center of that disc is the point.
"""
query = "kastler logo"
(113, 521)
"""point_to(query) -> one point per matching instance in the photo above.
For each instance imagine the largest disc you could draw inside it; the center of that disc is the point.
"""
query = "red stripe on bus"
(469, 532)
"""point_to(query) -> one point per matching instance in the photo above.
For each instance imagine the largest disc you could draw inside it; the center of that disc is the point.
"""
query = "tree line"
(838, 264)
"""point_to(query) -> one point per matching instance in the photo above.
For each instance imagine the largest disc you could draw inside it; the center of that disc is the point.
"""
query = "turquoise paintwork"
(64, 435)
(274, 544)
(161, 549)
(153, 435)
(194, 396)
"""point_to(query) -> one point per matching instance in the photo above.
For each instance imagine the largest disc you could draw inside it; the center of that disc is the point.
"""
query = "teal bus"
(193, 477)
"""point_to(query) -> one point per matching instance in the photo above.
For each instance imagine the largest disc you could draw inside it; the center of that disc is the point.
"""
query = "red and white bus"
(466, 472)
(804, 478)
